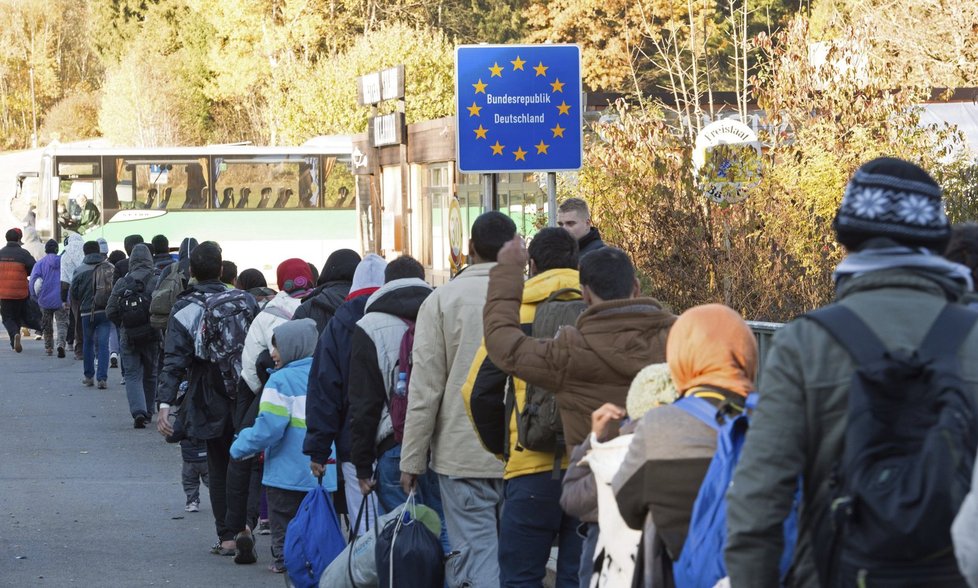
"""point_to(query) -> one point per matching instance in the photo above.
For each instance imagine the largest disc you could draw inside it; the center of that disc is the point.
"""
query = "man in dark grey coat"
(892, 224)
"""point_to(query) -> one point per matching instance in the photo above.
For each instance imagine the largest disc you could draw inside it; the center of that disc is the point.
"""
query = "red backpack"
(401, 382)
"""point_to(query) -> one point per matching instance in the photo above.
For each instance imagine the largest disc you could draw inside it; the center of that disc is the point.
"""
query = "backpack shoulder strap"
(850, 331)
(558, 293)
(949, 331)
(699, 408)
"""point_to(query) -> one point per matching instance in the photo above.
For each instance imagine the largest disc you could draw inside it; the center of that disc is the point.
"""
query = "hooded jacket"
(375, 350)
(82, 284)
(447, 336)
(16, 265)
(322, 303)
(485, 389)
(48, 269)
(183, 261)
(207, 404)
(277, 311)
(140, 270)
(72, 258)
(799, 424)
(587, 365)
(280, 428)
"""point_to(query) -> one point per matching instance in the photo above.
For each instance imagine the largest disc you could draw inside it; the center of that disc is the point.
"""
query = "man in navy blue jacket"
(327, 401)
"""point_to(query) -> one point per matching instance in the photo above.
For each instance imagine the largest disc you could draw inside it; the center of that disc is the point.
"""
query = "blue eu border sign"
(518, 108)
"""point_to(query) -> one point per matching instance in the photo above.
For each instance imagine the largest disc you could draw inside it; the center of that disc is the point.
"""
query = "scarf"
(871, 259)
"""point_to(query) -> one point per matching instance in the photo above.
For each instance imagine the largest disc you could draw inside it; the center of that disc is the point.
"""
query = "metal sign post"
(519, 110)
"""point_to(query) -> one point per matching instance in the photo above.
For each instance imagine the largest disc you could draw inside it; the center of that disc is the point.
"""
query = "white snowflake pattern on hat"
(869, 203)
(917, 210)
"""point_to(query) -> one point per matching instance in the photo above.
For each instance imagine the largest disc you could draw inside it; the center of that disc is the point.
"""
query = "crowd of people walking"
(541, 399)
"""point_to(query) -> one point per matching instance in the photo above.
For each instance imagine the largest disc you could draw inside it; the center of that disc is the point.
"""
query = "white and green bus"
(262, 204)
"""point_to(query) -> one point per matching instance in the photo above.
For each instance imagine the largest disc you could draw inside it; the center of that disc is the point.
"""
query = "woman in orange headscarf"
(712, 355)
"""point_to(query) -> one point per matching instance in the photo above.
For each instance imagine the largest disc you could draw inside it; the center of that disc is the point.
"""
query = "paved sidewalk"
(85, 499)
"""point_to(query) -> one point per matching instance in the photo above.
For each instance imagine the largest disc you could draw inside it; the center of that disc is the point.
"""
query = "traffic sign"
(518, 108)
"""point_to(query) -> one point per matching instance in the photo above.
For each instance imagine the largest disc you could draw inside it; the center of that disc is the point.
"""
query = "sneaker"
(88, 381)
(139, 422)
(102, 385)
(114, 360)
(193, 506)
(245, 548)
(122, 382)
(17, 346)
(61, 352)
(263, 527)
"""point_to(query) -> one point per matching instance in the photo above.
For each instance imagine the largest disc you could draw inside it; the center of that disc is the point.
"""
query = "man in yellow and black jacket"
(532, 517)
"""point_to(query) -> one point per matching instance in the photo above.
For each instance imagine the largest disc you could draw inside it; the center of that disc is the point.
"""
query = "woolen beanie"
(51, 246)
(90, 247)
(293, 275)
(14, 235)
(340, 266)
(896, 199)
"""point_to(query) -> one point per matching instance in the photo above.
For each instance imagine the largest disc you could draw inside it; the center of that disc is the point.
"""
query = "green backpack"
(164, 297)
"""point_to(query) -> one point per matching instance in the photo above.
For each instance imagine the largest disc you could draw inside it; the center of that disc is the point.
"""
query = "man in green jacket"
(892, 224)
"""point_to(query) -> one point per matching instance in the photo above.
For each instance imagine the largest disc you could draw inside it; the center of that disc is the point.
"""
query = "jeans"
(14, 311)
(472, 511)
(532, 519)
(140, 365)
(590, 532)
(49, 319)
(282, 506)
(390, 495)
(194, 472)
(95, 332)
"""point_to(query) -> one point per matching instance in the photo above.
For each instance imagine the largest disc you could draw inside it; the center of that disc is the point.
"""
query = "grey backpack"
(538, 424)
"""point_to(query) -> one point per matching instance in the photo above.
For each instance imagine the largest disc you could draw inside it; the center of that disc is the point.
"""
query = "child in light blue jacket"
(280, 430)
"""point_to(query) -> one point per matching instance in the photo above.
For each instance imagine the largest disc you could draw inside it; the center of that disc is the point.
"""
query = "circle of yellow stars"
(496, 71)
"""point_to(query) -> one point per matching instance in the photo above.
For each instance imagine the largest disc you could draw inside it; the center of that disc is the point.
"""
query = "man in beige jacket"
(448, 334)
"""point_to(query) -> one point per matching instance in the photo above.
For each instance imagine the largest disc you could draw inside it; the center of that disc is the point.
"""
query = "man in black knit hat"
(894, 283)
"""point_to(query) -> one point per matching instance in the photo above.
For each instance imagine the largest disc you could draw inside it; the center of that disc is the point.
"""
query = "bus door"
(79, 201)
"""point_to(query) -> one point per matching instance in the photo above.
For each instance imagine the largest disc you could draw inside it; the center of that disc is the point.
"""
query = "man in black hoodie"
(139, 342)
(331, 290)
(161, 252)
(374, 353)
(122, 266)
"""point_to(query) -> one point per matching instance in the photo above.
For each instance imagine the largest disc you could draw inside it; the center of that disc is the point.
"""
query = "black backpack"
(909, 449)
(134, 307)
(538, 424)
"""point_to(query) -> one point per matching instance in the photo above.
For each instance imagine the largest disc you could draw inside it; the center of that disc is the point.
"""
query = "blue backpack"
(700, 564)
(313, 539)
